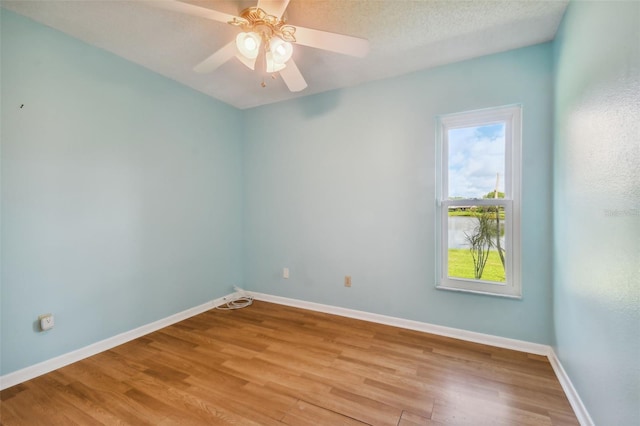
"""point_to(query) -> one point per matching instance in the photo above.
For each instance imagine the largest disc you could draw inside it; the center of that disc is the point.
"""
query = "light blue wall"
(342, 183)
(121, 195)
(597, 206)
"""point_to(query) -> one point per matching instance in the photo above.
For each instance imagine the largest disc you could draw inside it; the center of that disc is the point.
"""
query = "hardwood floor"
(272, 365)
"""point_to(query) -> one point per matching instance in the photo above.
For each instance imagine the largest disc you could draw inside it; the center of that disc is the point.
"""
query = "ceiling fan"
(267, 41)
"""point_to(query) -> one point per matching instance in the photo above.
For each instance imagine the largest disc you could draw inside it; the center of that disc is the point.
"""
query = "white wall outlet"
(46, 322)
(285, 273)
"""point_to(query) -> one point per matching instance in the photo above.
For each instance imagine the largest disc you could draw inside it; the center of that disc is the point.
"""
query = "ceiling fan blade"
(347, 45)
(221, 56)
(250, 63)
(273, 7)
(190, 9)
(292, 77)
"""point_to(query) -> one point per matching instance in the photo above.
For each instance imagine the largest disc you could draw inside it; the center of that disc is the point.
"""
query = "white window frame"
(511, 116)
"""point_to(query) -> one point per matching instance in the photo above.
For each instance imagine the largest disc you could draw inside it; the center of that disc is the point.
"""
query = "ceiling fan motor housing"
(254, 19)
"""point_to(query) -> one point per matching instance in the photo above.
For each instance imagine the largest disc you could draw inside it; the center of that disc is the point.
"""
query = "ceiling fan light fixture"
(248, 44)
(280, 50)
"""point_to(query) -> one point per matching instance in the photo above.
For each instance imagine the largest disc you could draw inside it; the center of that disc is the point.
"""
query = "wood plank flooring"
(275, 365)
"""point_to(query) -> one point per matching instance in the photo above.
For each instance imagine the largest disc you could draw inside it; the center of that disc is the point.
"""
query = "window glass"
(476, 242)
(476, 160)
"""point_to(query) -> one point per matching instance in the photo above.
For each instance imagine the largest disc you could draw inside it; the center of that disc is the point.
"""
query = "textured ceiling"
(405, 36)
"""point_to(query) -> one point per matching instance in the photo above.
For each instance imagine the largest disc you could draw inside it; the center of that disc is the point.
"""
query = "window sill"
(483, 293)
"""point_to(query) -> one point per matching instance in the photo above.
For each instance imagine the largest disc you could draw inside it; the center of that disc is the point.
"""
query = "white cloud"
(476, 155)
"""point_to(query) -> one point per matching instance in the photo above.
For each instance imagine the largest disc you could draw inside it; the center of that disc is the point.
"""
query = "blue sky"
(476, 155)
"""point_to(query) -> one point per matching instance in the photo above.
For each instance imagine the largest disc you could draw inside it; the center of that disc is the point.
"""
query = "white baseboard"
(470, 336)
(49, 365)
(572, 394)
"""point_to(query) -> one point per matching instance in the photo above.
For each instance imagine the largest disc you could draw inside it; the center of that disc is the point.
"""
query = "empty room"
(320, 212)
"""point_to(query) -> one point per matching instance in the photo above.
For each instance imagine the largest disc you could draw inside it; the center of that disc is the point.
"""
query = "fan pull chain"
(264, 57)
(263, 83)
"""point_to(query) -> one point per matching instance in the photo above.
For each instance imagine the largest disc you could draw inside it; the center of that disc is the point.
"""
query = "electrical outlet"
(46, 322)
(285, 273)
(347, 280)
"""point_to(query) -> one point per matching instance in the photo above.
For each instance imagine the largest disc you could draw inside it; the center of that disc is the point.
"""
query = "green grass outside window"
(461, 266)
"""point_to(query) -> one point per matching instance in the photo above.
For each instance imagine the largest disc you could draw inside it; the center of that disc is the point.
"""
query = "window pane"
(476, 161)
(476, 243)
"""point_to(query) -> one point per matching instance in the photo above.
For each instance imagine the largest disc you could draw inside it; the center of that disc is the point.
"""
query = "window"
(478, 201)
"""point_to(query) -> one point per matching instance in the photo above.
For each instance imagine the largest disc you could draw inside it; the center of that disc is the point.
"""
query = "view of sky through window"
(476, 156)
